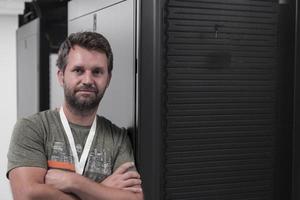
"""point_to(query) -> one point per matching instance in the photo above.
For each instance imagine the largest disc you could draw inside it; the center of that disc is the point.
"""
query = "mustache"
(87, 87)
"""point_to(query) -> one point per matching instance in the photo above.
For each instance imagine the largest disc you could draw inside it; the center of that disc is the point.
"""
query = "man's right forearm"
(42, 191)
(27, 183)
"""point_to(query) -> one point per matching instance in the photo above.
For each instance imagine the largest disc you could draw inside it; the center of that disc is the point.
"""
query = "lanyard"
(79, 164)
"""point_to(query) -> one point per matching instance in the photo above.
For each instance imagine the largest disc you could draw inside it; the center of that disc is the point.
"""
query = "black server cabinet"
(216, 99)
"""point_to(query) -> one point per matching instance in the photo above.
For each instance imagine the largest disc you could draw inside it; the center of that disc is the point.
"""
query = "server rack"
(218, 121)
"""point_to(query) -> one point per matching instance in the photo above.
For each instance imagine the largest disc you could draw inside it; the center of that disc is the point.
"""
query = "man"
(71, 153)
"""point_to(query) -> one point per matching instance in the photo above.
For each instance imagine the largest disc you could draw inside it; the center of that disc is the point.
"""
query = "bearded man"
(71, 153)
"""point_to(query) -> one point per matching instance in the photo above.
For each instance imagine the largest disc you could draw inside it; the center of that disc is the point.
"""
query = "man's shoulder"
(108, 125)
(40, 117)
(106, 122)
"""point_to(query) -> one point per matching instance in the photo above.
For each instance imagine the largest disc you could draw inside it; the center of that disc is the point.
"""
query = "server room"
(150, 99)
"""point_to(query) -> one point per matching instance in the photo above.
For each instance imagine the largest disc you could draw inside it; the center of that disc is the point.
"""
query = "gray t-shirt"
(40, 141)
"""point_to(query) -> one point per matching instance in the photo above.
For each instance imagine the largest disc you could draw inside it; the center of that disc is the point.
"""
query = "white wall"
(8, 99)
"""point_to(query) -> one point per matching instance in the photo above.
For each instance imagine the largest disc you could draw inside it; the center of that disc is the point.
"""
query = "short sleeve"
(125, 151)
(26, 147)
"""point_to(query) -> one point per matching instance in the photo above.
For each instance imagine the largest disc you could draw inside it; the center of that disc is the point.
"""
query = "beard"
(83, 104)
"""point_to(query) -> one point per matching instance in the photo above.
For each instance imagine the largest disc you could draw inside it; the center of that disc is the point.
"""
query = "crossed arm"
(30, 183)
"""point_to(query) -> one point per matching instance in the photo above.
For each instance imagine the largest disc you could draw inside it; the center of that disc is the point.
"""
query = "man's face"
(85, 78)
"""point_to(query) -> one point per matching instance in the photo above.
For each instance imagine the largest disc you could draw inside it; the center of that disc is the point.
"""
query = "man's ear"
(108, 81)
(60, 77)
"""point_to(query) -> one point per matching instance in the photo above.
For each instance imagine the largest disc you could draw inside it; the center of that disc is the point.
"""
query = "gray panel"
(27, 69)
(84, 23)
(78, 8)
(117, 24)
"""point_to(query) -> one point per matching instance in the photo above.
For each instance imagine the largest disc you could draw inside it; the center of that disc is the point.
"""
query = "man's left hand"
(59, 179)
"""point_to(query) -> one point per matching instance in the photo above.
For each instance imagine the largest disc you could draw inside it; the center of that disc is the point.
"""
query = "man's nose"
(88, 78)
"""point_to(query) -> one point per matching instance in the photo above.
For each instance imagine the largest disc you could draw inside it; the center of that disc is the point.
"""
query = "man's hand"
(59, 179)
(124, 179)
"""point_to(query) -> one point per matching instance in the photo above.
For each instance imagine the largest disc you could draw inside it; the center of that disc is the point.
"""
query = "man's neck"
(79, 118)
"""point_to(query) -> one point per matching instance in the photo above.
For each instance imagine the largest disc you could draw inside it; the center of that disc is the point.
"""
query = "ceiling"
(11, 7)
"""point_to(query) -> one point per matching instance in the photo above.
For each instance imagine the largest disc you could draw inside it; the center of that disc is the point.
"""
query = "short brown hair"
(88, 40)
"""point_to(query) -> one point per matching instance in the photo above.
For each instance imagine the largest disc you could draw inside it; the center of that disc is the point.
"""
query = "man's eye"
(97, 71)
(78, 71)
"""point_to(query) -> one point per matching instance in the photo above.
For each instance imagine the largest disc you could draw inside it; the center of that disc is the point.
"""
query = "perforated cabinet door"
(224, 97)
